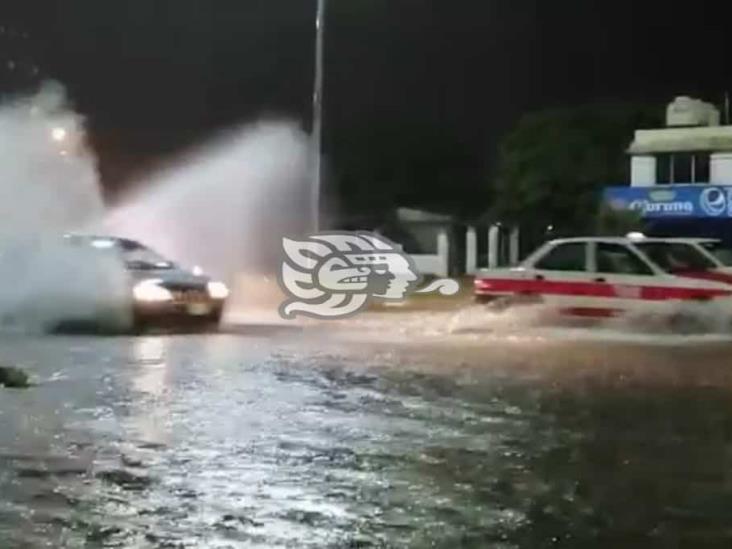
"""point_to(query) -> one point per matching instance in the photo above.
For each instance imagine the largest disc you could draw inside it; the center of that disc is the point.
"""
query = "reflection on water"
(150, 415)
(236, 441)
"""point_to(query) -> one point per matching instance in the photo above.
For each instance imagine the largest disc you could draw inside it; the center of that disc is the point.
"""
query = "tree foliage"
(611, 222)
(554, 164)
(406, 163)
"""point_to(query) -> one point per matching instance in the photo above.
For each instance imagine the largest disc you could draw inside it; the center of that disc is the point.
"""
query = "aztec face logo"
(336, 274)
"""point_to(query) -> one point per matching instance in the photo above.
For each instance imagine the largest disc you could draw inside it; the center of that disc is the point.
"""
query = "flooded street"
(334, 437)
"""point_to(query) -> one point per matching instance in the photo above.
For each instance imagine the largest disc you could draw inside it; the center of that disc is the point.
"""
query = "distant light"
(550, 228)
(103, 243)
(197, 271)
(635, 236)
(58, 134)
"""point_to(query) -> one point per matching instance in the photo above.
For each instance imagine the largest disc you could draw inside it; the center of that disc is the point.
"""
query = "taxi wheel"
(493, 303)
(502, 303)
(687, 324)
(519, 300)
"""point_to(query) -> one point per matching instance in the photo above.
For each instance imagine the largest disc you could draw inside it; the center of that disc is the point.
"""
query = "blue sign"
(673, 201)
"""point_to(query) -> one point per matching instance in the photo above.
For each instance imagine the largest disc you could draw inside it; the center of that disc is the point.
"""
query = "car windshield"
(675, 257)
(722, 252)
(139, 257)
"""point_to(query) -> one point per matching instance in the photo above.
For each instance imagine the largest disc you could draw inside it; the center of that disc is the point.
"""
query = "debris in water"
(125, 479)
(13, 378)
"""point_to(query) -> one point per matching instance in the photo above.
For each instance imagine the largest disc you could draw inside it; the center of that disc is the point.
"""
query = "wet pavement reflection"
(277, 438)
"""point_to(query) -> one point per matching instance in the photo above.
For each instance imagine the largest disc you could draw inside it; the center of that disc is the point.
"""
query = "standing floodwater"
(289, 438)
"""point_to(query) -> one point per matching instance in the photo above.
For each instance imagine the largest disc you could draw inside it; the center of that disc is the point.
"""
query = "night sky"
(156, 76)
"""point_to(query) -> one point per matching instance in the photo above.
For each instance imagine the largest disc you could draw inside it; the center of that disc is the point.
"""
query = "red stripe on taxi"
(488, 286)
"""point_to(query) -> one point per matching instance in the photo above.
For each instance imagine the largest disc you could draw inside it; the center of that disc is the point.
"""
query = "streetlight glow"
(58, 134)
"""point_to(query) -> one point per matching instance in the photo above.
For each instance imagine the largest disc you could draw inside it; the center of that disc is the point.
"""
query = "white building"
(681, 175)
(692, 148)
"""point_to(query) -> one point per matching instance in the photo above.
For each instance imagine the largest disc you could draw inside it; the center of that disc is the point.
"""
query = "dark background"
(418, 92)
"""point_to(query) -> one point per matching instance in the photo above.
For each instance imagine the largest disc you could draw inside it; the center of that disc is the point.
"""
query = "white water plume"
(227, 205)
(48, 180)
(48, 186)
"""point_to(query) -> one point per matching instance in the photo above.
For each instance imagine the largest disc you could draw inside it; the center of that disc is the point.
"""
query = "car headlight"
(218, 290)
(150, 291)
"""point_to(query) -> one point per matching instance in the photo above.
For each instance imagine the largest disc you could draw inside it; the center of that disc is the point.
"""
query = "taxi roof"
(630, 240)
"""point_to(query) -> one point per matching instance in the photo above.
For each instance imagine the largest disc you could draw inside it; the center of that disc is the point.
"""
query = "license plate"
(199, 309)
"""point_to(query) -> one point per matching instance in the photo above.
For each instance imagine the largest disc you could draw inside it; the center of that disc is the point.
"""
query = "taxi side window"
(617, 259)
(565, 257)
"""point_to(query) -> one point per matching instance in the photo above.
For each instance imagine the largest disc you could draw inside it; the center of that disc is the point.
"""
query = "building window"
(663, 169)
(701, 168)
(682, 168)
(682, 165)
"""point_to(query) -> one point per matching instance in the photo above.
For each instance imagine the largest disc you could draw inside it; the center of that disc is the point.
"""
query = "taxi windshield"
(718, 249)
(675, 257)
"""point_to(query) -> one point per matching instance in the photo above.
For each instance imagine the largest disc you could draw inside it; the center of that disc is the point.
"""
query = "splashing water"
(48, 186)
(227, 205)
(224, 207)
(48, 180)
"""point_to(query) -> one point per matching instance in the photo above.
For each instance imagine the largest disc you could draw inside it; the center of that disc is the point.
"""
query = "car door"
(621, 275)
(562, 276)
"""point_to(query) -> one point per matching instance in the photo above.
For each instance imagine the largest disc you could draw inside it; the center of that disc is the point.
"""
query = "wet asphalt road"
(382, 436)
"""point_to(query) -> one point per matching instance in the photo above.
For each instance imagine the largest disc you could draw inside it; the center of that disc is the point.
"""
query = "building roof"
(631, 240)
(668, 140)
(410, 215)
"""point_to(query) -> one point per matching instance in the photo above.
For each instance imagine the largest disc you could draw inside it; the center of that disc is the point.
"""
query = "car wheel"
(687, 324)
(503, 303)
(214, 320)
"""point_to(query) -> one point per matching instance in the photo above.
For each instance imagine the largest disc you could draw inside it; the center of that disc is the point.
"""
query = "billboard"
(673, 201)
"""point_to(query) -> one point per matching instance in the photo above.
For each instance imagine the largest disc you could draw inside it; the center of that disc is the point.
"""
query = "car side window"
(618, 259)
(565, 257)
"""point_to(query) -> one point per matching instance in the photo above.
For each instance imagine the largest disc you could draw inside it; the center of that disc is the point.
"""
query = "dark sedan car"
(160, 292)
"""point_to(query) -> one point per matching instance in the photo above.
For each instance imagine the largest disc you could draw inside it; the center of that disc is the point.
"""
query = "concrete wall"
(437, 264)
(720, 168)
(643, 171)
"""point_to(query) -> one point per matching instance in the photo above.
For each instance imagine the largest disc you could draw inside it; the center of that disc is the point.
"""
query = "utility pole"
(317, 137)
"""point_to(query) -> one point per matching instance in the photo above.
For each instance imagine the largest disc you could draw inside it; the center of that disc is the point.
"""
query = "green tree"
(610, 222)
(553, 165)
(406, 163)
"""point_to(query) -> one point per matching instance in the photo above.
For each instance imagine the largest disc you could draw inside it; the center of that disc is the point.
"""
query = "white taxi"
(609, 276)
